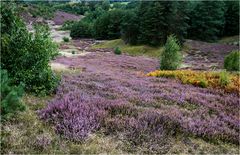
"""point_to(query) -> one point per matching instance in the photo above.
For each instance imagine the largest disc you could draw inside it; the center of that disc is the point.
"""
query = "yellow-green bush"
(222, 80)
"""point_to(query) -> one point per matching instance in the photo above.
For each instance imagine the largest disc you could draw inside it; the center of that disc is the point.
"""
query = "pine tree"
(207, 20)
(152, 23)
(101, 26)
(115, 20)
(157, 20)
(171, 57)
(129, 28)
(10, 96)
(107, 26)
(232, 18)
(177, 19)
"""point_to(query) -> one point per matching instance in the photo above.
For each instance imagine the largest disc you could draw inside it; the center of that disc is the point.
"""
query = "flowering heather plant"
(74, 116)
(203, 78)
(146, 111)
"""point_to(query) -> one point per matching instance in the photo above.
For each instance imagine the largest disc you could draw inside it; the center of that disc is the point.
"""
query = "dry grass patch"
(134, 50)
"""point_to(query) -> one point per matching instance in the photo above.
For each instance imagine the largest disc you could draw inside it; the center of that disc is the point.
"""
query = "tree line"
(150, 22)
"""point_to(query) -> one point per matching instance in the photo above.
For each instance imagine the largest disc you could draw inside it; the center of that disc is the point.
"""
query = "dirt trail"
(206, 56)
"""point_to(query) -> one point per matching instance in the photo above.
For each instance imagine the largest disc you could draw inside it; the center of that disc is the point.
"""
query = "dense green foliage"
(75, 8)
(129, 27)
(82, 7)
(67, 25)
(91, 16)
(117, 51)
(25, 55)
(42, 10)
(159, 19)
(66, 39)
(207, 20)
(231, 18)
(108, 25)
(232, 61)
(150, 22)
(10, 96)
(171, 56)
(81, 29)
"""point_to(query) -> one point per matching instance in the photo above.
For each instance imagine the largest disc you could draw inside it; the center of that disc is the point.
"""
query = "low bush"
(223, 80)
(26, 55)
(117, 51)
(65, 39)
(232, 61)
(10, 96)
(171, 56)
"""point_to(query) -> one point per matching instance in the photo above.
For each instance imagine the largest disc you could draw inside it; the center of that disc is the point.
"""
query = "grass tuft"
(133, 50)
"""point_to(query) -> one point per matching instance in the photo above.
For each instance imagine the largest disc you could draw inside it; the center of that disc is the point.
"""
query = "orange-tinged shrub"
(201, 78)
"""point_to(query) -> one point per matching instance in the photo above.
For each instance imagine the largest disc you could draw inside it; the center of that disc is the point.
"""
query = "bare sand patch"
(69, 53)
(58, 66)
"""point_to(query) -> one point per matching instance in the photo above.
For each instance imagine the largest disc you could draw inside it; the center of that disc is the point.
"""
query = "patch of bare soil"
(206, 56)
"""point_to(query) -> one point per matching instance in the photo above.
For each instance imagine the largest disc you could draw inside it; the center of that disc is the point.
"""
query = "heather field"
(112, 97)
(108, 97)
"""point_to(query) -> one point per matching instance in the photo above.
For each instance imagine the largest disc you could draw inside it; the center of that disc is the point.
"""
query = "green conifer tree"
(231, 18)
(152, 23)
(207, 20)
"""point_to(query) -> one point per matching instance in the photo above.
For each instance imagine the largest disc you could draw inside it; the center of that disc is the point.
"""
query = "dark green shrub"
(81, 30)
(25, 55)
(65, 39)
(67, 25)
(117, 51)
(10, 96)
(171, 56)
(232, 60)
(91, 16)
